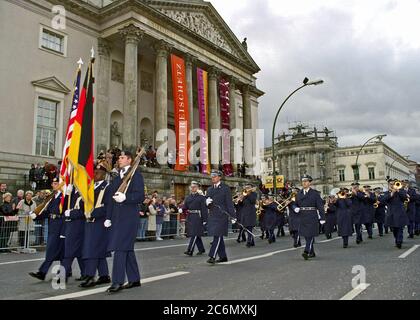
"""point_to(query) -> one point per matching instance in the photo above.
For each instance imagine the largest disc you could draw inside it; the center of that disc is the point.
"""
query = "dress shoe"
(200, 253)
(221, 260)
(399, 245)
(132, 285)
(88, 283)
(103, 280)
(211, 261)
(417, 233)
(82, 278)
(39, 275)
(296, 245)
(114, 288)
(312, 255)
(238, 240)
(370, 237)
(381, 235)
(305, 255)
(358, 241)
(411, 236)
(345, 246)
(188, 253)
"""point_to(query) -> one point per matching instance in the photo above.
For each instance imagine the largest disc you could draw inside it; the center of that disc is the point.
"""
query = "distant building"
(316, 152)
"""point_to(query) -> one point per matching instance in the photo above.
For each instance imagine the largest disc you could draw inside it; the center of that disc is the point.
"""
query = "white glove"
(322, 222)
(32, 215)
(234, 221)
(209, 201)
(119, 197)
(180, 211)
(69, 189)
(67, 213)
(204, 223)
(107, 224)
(297, 210)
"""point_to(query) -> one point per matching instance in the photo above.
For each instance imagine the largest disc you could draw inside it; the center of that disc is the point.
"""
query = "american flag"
(65, 170)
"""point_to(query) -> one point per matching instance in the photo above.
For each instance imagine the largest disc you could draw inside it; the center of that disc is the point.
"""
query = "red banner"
(225, 125)
(181, 112)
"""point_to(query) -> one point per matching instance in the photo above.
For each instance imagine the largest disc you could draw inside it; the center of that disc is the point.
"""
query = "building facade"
(316, 152)
(133, 41)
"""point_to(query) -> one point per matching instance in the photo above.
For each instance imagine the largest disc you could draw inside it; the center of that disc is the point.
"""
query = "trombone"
(286, 202)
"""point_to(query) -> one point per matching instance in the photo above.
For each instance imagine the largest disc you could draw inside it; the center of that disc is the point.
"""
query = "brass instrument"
(285, 203)
(397, 185)
(39, 209)
(406, 202)
(342, 195)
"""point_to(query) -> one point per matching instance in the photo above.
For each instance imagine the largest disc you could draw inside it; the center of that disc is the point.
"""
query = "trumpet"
(285, 203)
(342, 194)
(397, 185)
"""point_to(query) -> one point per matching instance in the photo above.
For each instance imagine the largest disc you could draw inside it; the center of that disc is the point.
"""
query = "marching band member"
(344, 216)
(379, 212)
(330, 217)
(248, 213)
(294, 223)
(368, 211)
(55, 242)
(411, 208)
(310, 207)
(95, 243)
(238, 208)
(417, 227)
(398, 219)
(357, 199)
(219, 202)
(196, 209)
(270, 216)
(122, 218)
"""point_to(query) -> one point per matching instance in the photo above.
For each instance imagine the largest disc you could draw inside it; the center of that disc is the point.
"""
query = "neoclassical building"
(133, 41)
(316, 152)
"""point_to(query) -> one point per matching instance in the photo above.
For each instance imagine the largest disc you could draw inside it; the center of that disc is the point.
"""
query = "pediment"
(51, 83)
(203, 20)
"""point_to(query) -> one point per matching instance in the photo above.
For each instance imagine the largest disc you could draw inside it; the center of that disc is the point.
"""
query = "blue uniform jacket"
(309, 219)
(368, 211)
(270, 216)
(197, 214)
(247, 211)
(218, 221)
(74, 227)
(357, 207)
(411, 208)
(397, 215)
(125, 216)
(344, 217)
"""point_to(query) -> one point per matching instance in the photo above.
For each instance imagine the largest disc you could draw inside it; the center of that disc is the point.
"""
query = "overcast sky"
(368, 53)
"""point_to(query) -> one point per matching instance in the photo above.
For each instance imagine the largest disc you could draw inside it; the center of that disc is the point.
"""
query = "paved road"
(264, 272)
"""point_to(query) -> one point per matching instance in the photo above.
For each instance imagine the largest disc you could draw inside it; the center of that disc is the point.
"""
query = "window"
(53, 41)
(270, 165)
(46, 129)
(356, 173)
(371, 173)
(341, 175)
(302, 158)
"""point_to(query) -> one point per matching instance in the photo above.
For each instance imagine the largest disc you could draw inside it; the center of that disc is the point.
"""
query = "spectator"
(144, 220)
(160, 211)
(166, 220)
(173, 220)
(151, 228)
(39, 174)
(3, 190)
(7, 210)
(25, 223)
(19, 197)
(32, 177)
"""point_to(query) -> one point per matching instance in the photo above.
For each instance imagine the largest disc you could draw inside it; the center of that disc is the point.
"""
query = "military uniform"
(357, 201)
(344, 219)
(398, 218)
(55, 242)
(124, 217)
(196, 209)
(411, 211)
(294, 225)
(96, 238)
(330, 220)
(270, 220)
(218, 220)
(380, 212)
(310, 207)
(417, 220)
(248, 216)
(368, 212)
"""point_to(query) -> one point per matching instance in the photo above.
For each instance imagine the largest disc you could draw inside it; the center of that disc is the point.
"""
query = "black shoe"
(211, 261)
(399, 245)
(358, 241)
(114, 288)
(411, 236)
(381, 235)
(370, 237)
(103, 280)
(188, 253)
(200, 253)
(417, 233)
(305, 255)
(222, 260)
(249, 245)
(39, 275)
(345, 246)
(296, 245)
(312, 255)
(262, 237)
(88, 283)
(132, 285)
(238, 240)
(82, 278)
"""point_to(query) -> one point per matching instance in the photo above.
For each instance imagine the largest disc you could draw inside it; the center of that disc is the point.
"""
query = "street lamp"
(390, 167)
(379, 137)
(306, 83)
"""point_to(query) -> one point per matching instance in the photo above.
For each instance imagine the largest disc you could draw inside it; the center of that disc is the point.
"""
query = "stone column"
(232, 114)
(161, 96)
(189, 61)
(131, 35)
(214, 117)
(247, 118)
(102, 126)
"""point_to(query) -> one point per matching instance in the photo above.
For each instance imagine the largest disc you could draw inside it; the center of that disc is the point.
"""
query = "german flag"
(81, 147)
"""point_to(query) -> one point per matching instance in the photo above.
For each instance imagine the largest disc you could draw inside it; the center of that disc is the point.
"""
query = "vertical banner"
(225, 126)
(203, 108)
(181, 112)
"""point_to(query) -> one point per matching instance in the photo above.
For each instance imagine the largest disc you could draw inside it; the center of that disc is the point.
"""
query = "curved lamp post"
(390, 167)
(306, 83)
(379, 137)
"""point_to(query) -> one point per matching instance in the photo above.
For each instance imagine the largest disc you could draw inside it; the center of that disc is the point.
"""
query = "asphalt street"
(264, 272)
